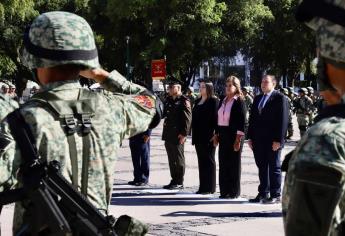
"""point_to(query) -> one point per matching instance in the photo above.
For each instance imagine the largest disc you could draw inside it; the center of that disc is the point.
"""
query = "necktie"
(262, 103)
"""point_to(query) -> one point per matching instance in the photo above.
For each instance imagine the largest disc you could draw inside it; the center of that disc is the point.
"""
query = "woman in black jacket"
(230, 134)
(204, 122)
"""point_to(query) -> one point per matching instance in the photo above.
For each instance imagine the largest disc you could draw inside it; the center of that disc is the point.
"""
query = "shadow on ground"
(232, 214)
(160, 201)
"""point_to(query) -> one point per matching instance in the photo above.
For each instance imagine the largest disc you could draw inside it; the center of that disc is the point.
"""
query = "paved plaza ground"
(183, 212)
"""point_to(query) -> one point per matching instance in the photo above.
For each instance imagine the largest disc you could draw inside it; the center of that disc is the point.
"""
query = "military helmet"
(284, 91)
(245, 89)
(310, 89)
(303, 90)
(325, 17)
(290, 89)
(59, 38)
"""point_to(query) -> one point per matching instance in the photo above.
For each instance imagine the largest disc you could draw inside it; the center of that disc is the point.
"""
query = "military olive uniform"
(303, 108)
(178, 115)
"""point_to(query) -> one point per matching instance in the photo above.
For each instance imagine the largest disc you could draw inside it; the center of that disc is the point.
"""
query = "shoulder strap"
(72, 115)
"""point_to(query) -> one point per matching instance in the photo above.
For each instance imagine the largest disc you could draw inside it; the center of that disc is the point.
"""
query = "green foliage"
(186, 32)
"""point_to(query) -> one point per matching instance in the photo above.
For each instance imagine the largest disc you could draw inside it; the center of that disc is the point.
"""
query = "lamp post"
(127, 58)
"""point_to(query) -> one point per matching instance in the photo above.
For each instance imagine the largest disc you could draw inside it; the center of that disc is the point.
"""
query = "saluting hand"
(97, 74)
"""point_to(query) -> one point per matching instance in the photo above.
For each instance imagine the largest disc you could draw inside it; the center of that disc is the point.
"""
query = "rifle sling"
(74, 159)
(85, 167)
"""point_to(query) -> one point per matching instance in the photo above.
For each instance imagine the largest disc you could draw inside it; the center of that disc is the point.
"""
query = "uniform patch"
(145, 101)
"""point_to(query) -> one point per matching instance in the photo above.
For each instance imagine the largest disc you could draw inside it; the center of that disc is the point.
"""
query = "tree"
(285, 47)
(182, 31)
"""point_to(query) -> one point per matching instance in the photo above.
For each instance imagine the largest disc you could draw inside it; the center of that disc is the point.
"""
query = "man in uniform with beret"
(178, 116)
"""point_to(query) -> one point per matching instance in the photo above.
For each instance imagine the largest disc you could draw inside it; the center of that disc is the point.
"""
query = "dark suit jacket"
(271, 125)
(204, 120)
(237, 116)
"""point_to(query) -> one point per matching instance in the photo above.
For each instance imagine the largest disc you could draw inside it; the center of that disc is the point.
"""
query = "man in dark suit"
(268, 123)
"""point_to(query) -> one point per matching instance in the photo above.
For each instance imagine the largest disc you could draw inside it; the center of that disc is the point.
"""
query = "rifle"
(53, 206)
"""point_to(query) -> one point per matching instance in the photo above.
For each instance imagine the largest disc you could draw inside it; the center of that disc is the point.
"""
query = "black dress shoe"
(271, 200)
(133, 182)
(225, 196)
(203, 192)
(173, 186)
(176, 186)
(259, 198)
(141, 184)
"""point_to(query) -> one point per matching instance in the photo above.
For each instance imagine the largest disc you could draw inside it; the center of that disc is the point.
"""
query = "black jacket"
(237, 116)
(204, 120)
(178, 116)
(271, 125)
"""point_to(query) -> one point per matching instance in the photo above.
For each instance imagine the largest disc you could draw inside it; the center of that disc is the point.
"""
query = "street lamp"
(127, 58)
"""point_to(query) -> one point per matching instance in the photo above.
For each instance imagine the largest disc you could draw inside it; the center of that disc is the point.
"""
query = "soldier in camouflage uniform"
(312, 96)
(303, 108)
(248, 100)
(313, 196)
(285, 91)
(58, 47)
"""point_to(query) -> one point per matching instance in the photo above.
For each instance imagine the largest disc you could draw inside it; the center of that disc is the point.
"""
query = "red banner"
(158, 69)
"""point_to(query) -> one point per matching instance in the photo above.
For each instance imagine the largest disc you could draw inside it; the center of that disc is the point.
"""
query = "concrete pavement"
(183, 212)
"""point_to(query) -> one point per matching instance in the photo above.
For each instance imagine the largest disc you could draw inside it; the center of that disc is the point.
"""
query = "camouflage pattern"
(321, 149)
(122, 116)
(330, 36)
(290, 125)
(7, 105)
(60, 31)
(322, 145)
(248, 100)
(303, 108)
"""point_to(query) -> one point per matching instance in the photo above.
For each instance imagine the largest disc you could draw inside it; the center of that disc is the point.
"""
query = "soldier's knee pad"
(314, 198)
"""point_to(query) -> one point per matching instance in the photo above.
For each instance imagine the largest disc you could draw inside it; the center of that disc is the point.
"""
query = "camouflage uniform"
(313, 196)
(248, 100)
(303, 108)
(7, 105)
(290, 125)
(116, 115)
(313, 106)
